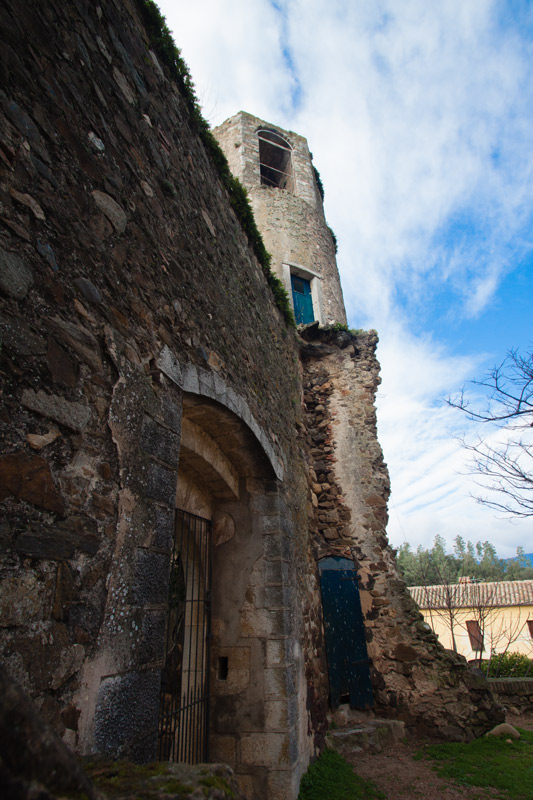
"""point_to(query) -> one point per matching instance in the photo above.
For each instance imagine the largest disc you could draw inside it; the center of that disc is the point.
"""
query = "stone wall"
(414, 679)
(515, 694)
(130, 293)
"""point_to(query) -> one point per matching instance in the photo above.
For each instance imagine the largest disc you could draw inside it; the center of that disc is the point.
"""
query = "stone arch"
(225, 473)
(197, 442)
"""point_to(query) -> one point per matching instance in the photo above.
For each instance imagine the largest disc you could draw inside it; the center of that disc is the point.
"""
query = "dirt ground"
(400, 777)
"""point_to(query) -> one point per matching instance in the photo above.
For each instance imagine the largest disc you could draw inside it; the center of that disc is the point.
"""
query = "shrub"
(508, 665)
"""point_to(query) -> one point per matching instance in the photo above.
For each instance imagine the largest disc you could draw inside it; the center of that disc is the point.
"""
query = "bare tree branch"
(506, 468)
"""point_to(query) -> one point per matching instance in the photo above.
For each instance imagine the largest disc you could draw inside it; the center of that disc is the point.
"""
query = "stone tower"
(276, 169)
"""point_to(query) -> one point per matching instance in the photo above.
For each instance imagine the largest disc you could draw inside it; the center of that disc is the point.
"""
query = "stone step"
(373, 734)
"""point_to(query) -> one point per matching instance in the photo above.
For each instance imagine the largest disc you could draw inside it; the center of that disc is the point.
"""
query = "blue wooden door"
(303, 303)
(348, 665)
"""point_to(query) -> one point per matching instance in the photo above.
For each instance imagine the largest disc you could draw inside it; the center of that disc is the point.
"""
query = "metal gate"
(348, 664)
(184, 702)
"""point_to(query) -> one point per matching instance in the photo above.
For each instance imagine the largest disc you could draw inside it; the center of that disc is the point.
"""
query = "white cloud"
(419, 118)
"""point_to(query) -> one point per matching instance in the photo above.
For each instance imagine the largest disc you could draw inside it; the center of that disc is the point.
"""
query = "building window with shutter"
(475, 635)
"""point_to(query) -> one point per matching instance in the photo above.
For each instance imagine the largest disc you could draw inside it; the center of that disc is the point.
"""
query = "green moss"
(219, 783)
(174, 786)
(333, 239)
(141, 781)
(164, 46)
(319, 184)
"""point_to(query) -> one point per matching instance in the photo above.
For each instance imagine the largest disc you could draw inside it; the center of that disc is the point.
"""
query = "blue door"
(301, 297)
(348, 664)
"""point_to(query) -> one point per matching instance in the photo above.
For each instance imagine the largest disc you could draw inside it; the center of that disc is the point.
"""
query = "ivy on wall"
(164, 46)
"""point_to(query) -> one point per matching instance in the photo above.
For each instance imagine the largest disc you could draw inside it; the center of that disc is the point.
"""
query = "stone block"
(16, 277)
(78, 339)
(125, 721)
(28, 477)
(70, 414)
(161, 484)
(18, 338)
(265, 749)
(275, 652)
(275, 571)
(276, 715)
(274, 597)
(150, 581)
(236, 677)
(160, 442)
(115, 214)
(63, 368)
(163, 537)
(24, 598)
(222, 749)
(261, 622)
(266, 505)
(151, 641)
(278, 682)
(272, 546)
(70, 661)
(61, 540)
(283, 784)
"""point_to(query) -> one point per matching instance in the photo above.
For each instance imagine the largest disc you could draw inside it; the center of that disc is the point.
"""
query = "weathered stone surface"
(70, 661)
(404, 652)
(88, 290)
(150, 583)
(23, 599)
(78, 339)
(504, 729)
(32, 752)
(73, 415)
(60, 541)
(115, 214)
(124, 726)
(27, 200)
(44, 249)
(28, 477)
(16, 277)
(63, 368)
(18, 338)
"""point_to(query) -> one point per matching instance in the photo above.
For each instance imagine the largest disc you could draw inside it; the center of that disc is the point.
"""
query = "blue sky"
(420, 119)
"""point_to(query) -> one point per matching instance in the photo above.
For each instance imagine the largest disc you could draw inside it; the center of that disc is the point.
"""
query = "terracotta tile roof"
(468, 595)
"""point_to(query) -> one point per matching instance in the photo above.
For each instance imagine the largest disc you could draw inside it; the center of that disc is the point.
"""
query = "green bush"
(508, 665)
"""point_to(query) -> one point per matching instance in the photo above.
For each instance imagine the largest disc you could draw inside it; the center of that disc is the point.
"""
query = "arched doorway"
(227, 495)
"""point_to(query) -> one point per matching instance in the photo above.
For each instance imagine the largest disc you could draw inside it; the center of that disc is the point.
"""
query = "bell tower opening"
(275, 160)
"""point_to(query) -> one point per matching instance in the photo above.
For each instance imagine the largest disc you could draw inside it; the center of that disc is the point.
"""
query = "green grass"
(332, 778)
(490, 761)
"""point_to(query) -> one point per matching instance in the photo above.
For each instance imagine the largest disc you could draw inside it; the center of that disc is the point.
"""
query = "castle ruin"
(193, 500)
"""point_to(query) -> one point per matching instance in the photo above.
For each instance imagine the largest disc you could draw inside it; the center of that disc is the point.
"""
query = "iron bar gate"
(184, 702)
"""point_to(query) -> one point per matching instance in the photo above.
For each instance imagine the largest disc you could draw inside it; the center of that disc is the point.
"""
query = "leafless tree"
(506, 467)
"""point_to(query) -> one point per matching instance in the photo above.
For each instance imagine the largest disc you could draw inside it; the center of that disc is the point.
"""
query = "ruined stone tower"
(266, 159)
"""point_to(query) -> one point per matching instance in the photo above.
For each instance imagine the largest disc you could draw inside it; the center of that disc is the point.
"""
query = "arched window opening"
(275, 160)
